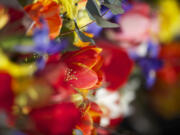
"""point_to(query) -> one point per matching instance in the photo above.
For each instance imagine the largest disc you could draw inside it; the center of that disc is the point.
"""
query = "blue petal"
(149, 66)
(41, 36)
(41, 62)
(94, 29)
(150, 79)
(153, 49)
(56, 47)
(150, 63)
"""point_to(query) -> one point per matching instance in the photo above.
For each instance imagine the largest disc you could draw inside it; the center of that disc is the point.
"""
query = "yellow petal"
(169, 17)
(14, 69)
(3, 17)
(80, 43)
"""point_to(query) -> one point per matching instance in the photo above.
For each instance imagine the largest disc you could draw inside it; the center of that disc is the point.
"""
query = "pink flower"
(135, 25)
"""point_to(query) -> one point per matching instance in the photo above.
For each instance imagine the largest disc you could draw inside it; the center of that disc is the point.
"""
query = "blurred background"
(156, 110)
(153, 100)
(149, 102)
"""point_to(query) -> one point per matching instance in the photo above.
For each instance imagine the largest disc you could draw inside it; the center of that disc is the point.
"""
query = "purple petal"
(56, 47)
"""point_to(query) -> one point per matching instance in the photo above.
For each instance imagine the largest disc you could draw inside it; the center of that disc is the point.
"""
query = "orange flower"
(49, 11)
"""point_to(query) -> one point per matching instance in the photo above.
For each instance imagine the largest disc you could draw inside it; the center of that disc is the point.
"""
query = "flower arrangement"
(72, 67)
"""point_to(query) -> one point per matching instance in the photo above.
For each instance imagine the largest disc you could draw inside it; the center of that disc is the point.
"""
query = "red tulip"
(84, 67)
(77, 69)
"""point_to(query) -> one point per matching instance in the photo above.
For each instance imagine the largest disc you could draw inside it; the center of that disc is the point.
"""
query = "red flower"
(49, 11)
(84, 67)
(89, 118)
(77, 69)
(117, 65)
(6, 93)
(170, 54)
(59, 119)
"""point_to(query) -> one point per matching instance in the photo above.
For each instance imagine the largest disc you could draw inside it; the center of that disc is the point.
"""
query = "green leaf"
(9, 42)
(115, 9)
(104, 23)
(81, 35)
(108, 1)
(115, 2)
(94, 13)
(25, 2)
(93, 9)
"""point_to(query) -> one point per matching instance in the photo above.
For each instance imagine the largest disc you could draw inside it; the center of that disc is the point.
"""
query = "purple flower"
(43, 45)
(149, 66)
(150, 63)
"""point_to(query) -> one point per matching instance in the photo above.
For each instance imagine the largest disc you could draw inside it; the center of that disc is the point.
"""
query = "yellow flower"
(14, 69)
(82, 21)
(169, 17)
(3, 17)
(83, 18)
(69, 7)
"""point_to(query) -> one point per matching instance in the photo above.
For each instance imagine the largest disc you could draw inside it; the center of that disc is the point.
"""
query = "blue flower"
(149, 66)
(150, 63)
(43, 45)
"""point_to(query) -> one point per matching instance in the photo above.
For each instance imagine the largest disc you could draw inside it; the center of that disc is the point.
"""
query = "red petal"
(81, 77)
(57, 119)
(117, 65)
(95, 112)
(86, 124)
(87, 56)
(115, 122)
(6, 93)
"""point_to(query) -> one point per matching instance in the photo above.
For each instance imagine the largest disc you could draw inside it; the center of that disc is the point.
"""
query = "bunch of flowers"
(49, 70)
(60, 76)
